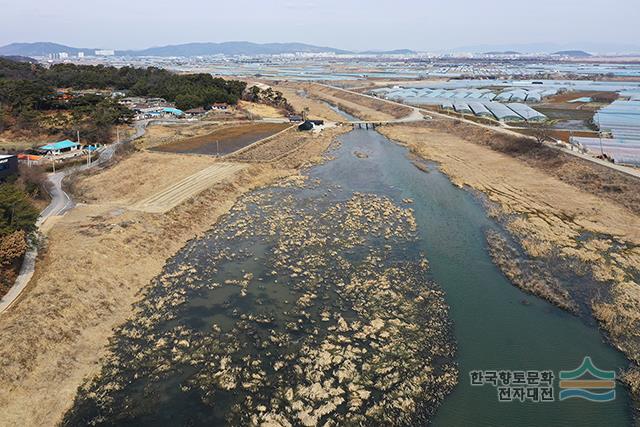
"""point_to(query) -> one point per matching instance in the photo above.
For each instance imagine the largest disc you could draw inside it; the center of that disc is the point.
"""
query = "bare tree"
(541, 131)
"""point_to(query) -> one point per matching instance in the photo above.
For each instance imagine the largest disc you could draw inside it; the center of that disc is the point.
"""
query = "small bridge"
(366, 125)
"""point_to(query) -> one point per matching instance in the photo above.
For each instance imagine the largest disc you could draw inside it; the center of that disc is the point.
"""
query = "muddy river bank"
(362, 293)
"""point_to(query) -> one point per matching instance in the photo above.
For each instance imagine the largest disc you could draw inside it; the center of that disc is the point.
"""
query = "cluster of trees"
(186, 90)
(17, 219)
(28, 96)
(269, 97)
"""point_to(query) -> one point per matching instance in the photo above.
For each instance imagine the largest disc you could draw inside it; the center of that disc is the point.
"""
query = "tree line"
(28, 98)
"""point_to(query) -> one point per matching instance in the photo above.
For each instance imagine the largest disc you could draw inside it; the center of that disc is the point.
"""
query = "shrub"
(16, 211)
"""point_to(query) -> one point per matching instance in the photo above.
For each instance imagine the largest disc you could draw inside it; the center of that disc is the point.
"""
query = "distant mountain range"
(188, 49)
(40, 49)
(573, 53)
(506, 52)
(594, 47)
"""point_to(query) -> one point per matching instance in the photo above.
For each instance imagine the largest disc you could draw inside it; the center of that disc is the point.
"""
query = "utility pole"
(217, 149)
(600, 134)
(53, 162)
(117, 134)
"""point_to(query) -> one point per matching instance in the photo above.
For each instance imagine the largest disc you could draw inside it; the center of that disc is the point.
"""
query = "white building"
(105, 52)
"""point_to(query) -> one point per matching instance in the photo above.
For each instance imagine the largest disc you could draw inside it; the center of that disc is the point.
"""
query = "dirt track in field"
(188, 187)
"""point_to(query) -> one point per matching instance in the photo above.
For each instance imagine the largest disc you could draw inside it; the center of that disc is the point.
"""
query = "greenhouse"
(475, 95)
(534, 96)
(504, 96)
(621, 151)
(502, 112)
(435, 94)
(528, 113)
(621, 118)
(462, 108)
(480, 110)
(447, 105)
(518, 95)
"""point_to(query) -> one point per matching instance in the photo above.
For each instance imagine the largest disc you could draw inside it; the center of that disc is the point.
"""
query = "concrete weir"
(365, 125)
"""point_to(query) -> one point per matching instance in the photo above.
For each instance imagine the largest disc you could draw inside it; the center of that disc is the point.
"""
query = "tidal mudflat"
(361, 293)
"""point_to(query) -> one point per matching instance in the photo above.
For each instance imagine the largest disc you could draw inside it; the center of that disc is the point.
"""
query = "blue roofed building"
(174, 111)
(60, 147)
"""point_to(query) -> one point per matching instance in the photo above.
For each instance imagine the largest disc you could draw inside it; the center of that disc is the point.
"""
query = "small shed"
(8, 165)
(196, 111)
(306, 126)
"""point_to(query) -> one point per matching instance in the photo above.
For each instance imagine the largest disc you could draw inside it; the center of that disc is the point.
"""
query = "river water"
(495, 325)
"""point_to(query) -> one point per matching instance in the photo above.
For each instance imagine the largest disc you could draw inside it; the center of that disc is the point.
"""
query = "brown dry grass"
(148, 171)
(587, 176)
(15, 141)
(295, 93)
(261, 110)
(286, 145)
(364, 107)
(98, 258)
(229, 138)
(564, 98)
(550, 202)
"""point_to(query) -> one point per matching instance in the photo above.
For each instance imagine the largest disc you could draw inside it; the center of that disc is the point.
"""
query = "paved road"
(60, 203)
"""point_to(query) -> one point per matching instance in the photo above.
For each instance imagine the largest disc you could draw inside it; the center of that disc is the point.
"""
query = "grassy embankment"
(567, 215)
(101, 255)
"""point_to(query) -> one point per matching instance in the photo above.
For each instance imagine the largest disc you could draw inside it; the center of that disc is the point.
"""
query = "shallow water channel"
(232, 277)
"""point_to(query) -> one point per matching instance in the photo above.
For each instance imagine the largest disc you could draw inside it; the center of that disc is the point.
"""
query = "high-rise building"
(105, 52)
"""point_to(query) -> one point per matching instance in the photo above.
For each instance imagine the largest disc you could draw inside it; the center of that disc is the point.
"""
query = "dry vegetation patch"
(297, 95)
(360, 106)
(260, 111)
(587, 176)
(386, 110)
(559, 209)
(98, 258)
(285, 145)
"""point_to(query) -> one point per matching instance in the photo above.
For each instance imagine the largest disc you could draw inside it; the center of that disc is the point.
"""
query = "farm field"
(224, 140)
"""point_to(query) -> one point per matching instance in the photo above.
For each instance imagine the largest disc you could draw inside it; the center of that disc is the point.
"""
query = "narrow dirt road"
(190, 186)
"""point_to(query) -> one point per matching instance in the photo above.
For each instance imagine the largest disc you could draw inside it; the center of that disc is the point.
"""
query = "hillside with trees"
(29, 100)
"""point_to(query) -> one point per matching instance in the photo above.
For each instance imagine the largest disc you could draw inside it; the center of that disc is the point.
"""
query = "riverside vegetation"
(575, 226)
(306, 305)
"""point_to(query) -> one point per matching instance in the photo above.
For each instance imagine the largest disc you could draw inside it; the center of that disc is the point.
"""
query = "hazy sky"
(349, 24)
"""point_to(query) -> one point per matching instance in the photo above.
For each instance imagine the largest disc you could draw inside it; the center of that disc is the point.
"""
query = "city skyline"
(421, 26)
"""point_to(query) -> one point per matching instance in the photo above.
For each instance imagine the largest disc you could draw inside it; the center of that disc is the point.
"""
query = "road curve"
(60, 203)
